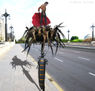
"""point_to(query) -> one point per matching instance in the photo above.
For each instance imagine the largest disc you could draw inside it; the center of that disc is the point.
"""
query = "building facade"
(2, 30)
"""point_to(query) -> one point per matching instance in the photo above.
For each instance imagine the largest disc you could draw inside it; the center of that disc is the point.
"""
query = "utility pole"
(68, 34)
(11, 33)
(6, 15)
(92, 32)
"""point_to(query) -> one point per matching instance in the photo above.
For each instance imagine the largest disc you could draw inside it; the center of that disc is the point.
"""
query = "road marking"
(91, 73)
(58, 59)
(84, 58)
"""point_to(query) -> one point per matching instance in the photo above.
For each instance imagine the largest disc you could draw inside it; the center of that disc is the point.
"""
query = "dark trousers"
(43, 15)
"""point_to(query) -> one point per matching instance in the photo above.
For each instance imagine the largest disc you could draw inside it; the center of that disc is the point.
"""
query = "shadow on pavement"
(18, 62)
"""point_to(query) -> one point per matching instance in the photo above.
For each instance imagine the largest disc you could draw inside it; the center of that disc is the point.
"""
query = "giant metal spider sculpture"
(43, 35)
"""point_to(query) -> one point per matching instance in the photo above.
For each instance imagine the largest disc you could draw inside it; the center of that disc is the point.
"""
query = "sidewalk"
(22, 78)
(4, 47)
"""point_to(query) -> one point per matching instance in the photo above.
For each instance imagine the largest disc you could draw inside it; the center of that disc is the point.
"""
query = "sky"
(77, 15)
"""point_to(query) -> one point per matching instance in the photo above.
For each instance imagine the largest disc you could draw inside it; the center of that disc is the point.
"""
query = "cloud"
(76, 17)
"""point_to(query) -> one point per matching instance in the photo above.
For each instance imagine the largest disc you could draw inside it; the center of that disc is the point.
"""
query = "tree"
(74, 37)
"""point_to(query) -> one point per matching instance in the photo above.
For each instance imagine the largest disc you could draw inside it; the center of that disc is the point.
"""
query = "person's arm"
(39, 8)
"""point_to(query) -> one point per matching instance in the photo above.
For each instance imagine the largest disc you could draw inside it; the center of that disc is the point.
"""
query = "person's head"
(46, 3)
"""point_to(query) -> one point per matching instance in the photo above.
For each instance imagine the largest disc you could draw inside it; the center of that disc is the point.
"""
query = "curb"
(49, 77)
(54, 82)
(81, 47)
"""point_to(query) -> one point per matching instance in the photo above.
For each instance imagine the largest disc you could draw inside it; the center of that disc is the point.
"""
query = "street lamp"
(11, 33)
(68, 34)
(92, 32)
(5, 15)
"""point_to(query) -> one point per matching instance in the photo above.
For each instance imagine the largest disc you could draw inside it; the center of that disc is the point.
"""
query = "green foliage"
(74, 37)
(21, 40)
(0, 38)
(77, 40)
(64, 40)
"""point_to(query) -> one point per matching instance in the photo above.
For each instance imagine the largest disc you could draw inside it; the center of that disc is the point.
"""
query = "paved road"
(73, 69)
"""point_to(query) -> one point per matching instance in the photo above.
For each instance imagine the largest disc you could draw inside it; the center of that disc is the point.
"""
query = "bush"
(74, 37)
(77, 40)
(64, 40)
(21, 40)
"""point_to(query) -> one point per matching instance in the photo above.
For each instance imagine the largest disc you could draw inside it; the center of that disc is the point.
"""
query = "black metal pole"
(92, 32)
(68, 34)
(5, 15)
(11, 35)
(44, 89)
(92, 35)
(5, 28)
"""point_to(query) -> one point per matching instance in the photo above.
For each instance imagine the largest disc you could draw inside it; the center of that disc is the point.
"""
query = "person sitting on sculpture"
(40, 19)
(43, 12)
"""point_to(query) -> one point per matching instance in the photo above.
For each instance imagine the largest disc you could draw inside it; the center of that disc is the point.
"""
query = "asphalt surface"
(73, 69)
